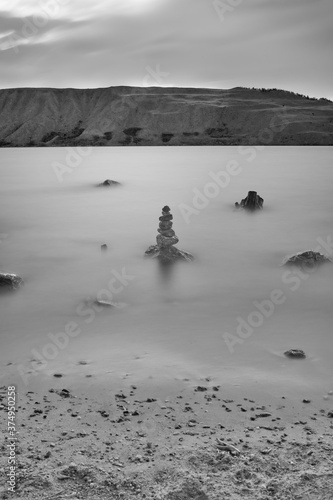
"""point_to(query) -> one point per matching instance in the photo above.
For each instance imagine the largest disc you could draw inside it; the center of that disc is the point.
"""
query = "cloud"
(274, 43)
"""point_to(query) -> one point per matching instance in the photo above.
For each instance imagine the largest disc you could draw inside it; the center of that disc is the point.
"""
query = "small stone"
(104, 303)
(330, 414)
(104, 247)
(166, 209)
(200, 388)
(266, 451)
(167, 232)
(109, 182)
(165, 225)
(166, 217)
(295, 353)
(57, 375)
(164, 242)
(306, 401)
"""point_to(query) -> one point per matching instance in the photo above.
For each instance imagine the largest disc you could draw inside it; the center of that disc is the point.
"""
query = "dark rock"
(104, 247)
(252, 202)
(168, 255)
(295, 353)
(109, 182)
(166, 209)
(10, 281)
(167, 232)
(200, 388)
(64, 393)
(165, 225)
(165, 241)
(120, 396)
(103, 413)
(166, 217)
(308, 259)
(330, 414)
(58, 375)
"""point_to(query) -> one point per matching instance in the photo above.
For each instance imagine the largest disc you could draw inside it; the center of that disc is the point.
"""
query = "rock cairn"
(165, 250)
(251, 202)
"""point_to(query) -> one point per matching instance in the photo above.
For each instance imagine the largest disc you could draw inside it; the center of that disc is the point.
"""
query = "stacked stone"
(167, 236)
(165, 250)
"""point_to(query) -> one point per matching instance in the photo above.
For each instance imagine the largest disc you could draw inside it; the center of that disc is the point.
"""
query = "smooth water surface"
(174, 322)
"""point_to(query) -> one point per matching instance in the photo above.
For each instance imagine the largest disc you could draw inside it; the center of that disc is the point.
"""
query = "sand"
(105, 437)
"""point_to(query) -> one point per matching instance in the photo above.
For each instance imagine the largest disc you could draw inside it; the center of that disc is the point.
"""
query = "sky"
(283, 44)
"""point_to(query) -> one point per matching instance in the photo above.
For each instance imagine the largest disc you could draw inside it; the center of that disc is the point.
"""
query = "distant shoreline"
(157, 116)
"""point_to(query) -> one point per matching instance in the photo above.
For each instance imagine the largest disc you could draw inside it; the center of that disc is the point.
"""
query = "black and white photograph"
(166, 249)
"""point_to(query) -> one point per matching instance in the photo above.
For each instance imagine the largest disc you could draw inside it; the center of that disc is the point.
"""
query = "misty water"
(170, 323)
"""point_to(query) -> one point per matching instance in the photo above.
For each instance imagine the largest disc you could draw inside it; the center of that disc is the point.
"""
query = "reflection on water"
(174, 316)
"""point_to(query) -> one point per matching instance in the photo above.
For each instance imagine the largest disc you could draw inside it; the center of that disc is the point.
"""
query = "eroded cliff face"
(156, 116)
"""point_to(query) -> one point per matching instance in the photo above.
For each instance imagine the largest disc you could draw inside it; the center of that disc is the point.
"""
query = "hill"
(129, 116)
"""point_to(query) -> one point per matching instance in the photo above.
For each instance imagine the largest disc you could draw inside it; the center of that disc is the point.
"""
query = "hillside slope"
(162, 116)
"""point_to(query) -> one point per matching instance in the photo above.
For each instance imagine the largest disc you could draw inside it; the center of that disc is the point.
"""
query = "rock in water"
(11, 281)
(109, 182)
(295, 353)
(306, 259)
(165, 250)
(252, 202)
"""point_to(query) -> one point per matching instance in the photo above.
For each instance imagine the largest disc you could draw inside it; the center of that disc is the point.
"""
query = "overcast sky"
(197, 43)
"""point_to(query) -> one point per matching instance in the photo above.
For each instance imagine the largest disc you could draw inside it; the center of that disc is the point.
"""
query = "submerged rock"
(295, 353)
(10, 281)
(306, 259)
(168, 255)
(165, 251)
(107, 303)
(252, 202)
(109, 182)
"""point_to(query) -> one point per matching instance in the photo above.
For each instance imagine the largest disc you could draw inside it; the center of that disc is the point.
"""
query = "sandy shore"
(91, 438)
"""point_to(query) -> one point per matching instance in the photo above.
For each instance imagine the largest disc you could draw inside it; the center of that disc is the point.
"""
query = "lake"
(214, 317)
